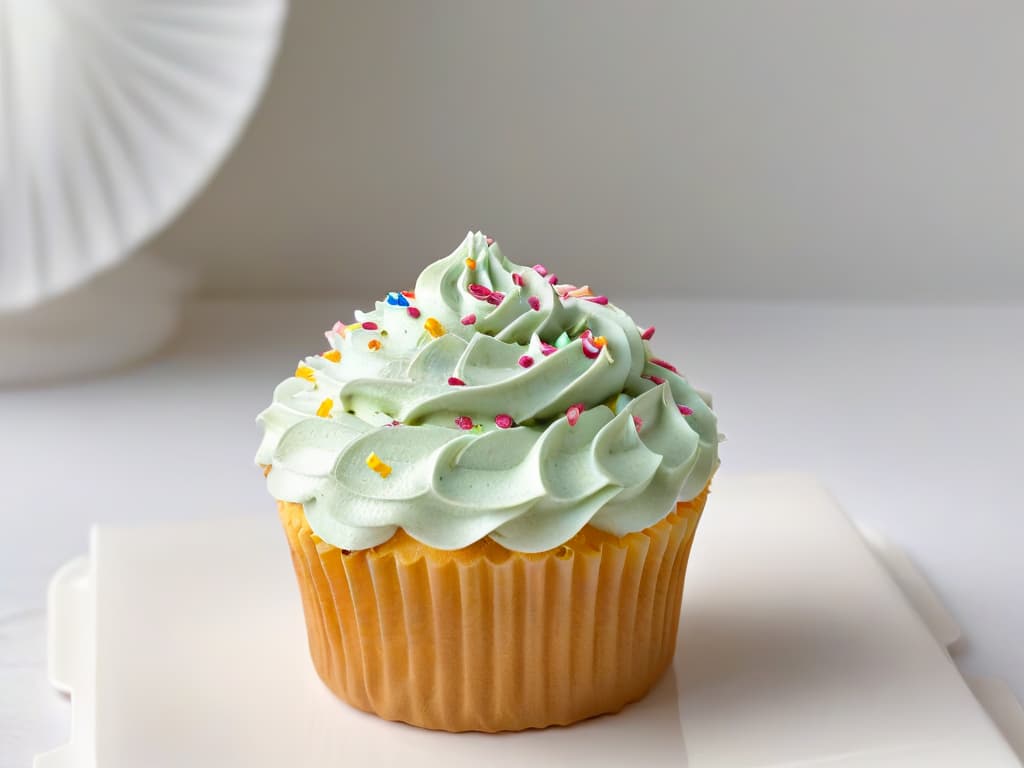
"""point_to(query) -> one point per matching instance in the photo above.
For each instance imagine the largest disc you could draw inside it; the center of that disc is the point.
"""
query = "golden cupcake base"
(486, 639)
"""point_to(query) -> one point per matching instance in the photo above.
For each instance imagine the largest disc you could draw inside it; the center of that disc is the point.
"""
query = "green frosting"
(503, 406)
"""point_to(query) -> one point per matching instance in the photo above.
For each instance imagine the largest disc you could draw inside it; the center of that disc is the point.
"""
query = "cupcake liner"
(487, 639)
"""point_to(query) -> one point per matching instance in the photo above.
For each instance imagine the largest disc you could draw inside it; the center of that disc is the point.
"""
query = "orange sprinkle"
(324, 411)
(333, 355)
(373, 462)
(373, 344)
(409, 294)
(599, 341)
(434, 327)
(471, 262)
(580, 292)
(305, 372)
(266, 470)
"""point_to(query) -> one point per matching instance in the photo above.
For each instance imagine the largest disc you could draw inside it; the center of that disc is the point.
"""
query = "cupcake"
(489, 486)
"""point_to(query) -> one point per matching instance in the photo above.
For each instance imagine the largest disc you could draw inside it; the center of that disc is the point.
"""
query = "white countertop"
(913, 417)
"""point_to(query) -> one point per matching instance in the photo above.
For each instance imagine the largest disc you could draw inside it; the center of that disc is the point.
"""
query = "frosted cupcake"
(490, 487)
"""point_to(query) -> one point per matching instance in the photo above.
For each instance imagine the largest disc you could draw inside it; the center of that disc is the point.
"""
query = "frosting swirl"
(489, 402)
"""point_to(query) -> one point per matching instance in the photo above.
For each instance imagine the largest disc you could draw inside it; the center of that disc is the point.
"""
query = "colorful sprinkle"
(553, 279)
(663, 364)
(471, 262)
(655, 379)
(340, 329)
(468, 319)
(686, 410)
(534, 303)
(578, 293)
(409, 294)
(598, 299)
(540, 269)
(373, 462)
(478, 291)
(305, 372)
(547, 349)
(434, 327)
(562, 341)
(455, 381)
(517, 279)
(333, 355)
(525, 361)
(590, 349)
(413, 312)
(496, 298)
(368, 326)
(325, 408)
(463, 422)
(572, 414)
(373, 345)
(648, 334)
(638, 423)
(393, 423)
(600, 341)
(503, 420)
(396, 299)
(490, 240)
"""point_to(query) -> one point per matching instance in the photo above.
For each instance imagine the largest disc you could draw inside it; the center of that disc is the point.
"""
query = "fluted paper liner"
(485, 639)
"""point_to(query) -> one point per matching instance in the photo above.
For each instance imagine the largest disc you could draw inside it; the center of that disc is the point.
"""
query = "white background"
(859, 156)
(785, 148)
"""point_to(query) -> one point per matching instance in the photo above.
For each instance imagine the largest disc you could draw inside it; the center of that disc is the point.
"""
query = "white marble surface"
(913, 417)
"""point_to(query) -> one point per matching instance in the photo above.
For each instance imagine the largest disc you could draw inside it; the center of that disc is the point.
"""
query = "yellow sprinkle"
(325, 408)
(333, 355)
(612, 402)
(373, 344)
(599, 341)
(305, 372)
(434, 327)
(373, 462)
(471, 262)
(353, 326)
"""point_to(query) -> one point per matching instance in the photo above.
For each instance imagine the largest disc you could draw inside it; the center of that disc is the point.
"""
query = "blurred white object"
(112, 116)
(119, 317)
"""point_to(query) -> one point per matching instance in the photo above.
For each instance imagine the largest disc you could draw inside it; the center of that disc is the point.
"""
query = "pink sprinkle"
(413, 312)
(469, 319)
(552, 279)
(663, 364)
(463, 422)
(534, 303)
(655, 379)
(478, 291)
(540, 269)
(455, 381)
(646, 335)
(496, 298)
(587, 334)
(490, 241)
(597, 299)
(517, 279)
(590, 349)
(638, 423)
(394, 423)
(503, 420)
(369, 326)
(572, 415)
(547, 349)
(339, 328)
(526, 361)
(685, 410)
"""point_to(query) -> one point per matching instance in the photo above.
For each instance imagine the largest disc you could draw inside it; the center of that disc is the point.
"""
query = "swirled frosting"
(491, 401)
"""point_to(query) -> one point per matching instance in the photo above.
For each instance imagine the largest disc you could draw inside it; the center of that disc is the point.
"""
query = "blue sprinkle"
(396, 299)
